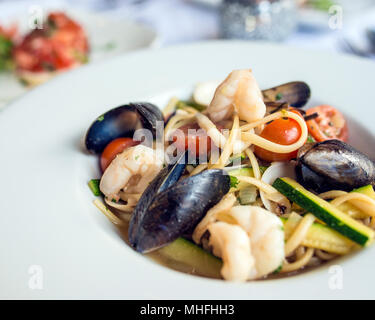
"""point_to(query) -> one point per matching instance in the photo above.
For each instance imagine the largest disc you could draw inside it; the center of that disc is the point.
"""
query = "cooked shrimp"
(131, 171)
(266, 243)
(238, 92)
(231, 243)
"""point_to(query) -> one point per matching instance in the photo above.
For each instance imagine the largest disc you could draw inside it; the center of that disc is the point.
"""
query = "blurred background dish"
(106, 38)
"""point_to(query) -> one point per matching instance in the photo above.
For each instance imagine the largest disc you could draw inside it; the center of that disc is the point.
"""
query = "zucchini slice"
(247, 172)
(187, 253)
(94, 187)
(324, 211)
(366, 190)
(319, 236)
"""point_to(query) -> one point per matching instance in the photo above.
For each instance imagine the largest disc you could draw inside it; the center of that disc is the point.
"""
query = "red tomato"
(193, 141)
(330, 124)
(281, 131)
(113, 149)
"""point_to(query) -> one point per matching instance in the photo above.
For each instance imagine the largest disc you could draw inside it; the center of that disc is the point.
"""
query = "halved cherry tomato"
(330, 124)
(281, 131)
(113, 149)
(193, 141)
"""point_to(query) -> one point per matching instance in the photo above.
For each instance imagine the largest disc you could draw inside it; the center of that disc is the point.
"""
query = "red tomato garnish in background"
(61, 44)
(330, 124)
(281, 131)
(193, 142)
(114, 148)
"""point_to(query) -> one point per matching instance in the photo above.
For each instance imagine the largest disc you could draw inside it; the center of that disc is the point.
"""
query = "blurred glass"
(272, 20)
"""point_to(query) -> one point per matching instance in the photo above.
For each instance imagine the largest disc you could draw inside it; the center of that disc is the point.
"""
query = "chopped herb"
(278, 269)
(279, 96)
(136, 157)
(23, 81)
(51, 24)
(94, 187)
(233, 181)
(310, 139)
(238, 157)
(262, 169)
(101, 118)
(114, 200)
(6, 46)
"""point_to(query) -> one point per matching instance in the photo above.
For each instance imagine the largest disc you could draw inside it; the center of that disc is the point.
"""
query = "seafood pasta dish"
(236, 183)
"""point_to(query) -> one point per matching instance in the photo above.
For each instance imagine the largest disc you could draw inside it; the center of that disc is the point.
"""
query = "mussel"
(122, 122)
(168, 210)
(333, 165)
(295, 93)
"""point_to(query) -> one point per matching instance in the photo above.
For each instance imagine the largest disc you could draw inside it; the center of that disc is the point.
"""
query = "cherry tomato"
(193, 140)
(281, 131)
(330, 124)
(113, 149)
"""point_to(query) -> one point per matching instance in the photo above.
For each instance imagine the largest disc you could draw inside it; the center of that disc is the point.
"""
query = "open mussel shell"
(176, 210)
(295, 93)
(334, 165)
(121, 122)
(168, 176)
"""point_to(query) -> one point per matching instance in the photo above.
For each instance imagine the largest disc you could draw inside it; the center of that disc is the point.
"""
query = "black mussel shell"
(176, 210)
(334, 165)
(121, 122)
(166, 178)
(295, 93)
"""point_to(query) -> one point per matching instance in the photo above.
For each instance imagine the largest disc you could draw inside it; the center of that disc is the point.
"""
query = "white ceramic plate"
(107, 37)
(48, 221)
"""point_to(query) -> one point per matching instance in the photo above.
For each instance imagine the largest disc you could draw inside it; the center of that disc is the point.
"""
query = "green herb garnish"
(310, 139)
(279, 96)
(278, 269)
(23, 82)
(6, 46)
(94, 187)
(233, 181)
